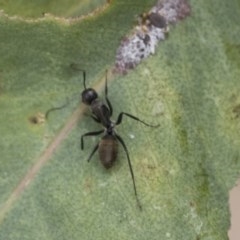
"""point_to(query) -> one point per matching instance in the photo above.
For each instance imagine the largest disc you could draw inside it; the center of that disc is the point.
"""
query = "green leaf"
(183, 169)
(31, 9)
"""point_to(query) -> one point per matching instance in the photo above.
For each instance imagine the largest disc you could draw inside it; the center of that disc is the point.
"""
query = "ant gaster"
(108, 145)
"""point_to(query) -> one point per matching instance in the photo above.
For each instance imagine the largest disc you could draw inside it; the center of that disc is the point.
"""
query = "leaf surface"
(183, 169)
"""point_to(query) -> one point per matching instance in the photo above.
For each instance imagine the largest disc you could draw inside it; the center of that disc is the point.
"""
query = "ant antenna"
(74, 66)
(55, 108)
(84, 79)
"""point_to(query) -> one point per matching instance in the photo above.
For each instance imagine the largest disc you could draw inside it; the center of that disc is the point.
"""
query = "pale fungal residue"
(168, 235)
(193, 217)
(103, 184)
(152, 28)
(132, 136)
(158, 108)
(172, 171)
(157, 207)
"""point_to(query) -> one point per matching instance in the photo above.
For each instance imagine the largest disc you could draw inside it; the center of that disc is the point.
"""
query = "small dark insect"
(108, 145)
(157, 20)
(146, 39)
(153, 19)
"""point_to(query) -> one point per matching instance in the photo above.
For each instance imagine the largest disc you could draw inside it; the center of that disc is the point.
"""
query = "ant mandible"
(108, 145)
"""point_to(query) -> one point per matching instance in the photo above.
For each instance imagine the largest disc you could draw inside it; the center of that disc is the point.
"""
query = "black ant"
(108, 145)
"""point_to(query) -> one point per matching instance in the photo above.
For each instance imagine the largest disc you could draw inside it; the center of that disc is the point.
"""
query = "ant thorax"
(101, 112)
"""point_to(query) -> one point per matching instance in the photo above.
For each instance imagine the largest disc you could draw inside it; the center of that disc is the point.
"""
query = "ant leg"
(106, 97)
(95, 119)
(130, 167)
(120, 116)
(89, 134)
(93, 151)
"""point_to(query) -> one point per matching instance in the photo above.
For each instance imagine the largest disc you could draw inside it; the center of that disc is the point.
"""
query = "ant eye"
(88, 95)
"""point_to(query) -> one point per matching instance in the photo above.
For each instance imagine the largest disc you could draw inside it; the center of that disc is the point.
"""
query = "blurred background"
(234, 231)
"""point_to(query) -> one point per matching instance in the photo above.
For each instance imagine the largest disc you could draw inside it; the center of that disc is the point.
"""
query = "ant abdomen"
(108, 150)
(88, 95)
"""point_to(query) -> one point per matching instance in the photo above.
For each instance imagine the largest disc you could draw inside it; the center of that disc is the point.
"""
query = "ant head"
(88, 95)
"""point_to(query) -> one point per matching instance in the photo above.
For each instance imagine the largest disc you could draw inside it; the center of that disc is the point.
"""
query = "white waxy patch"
(152, 29)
